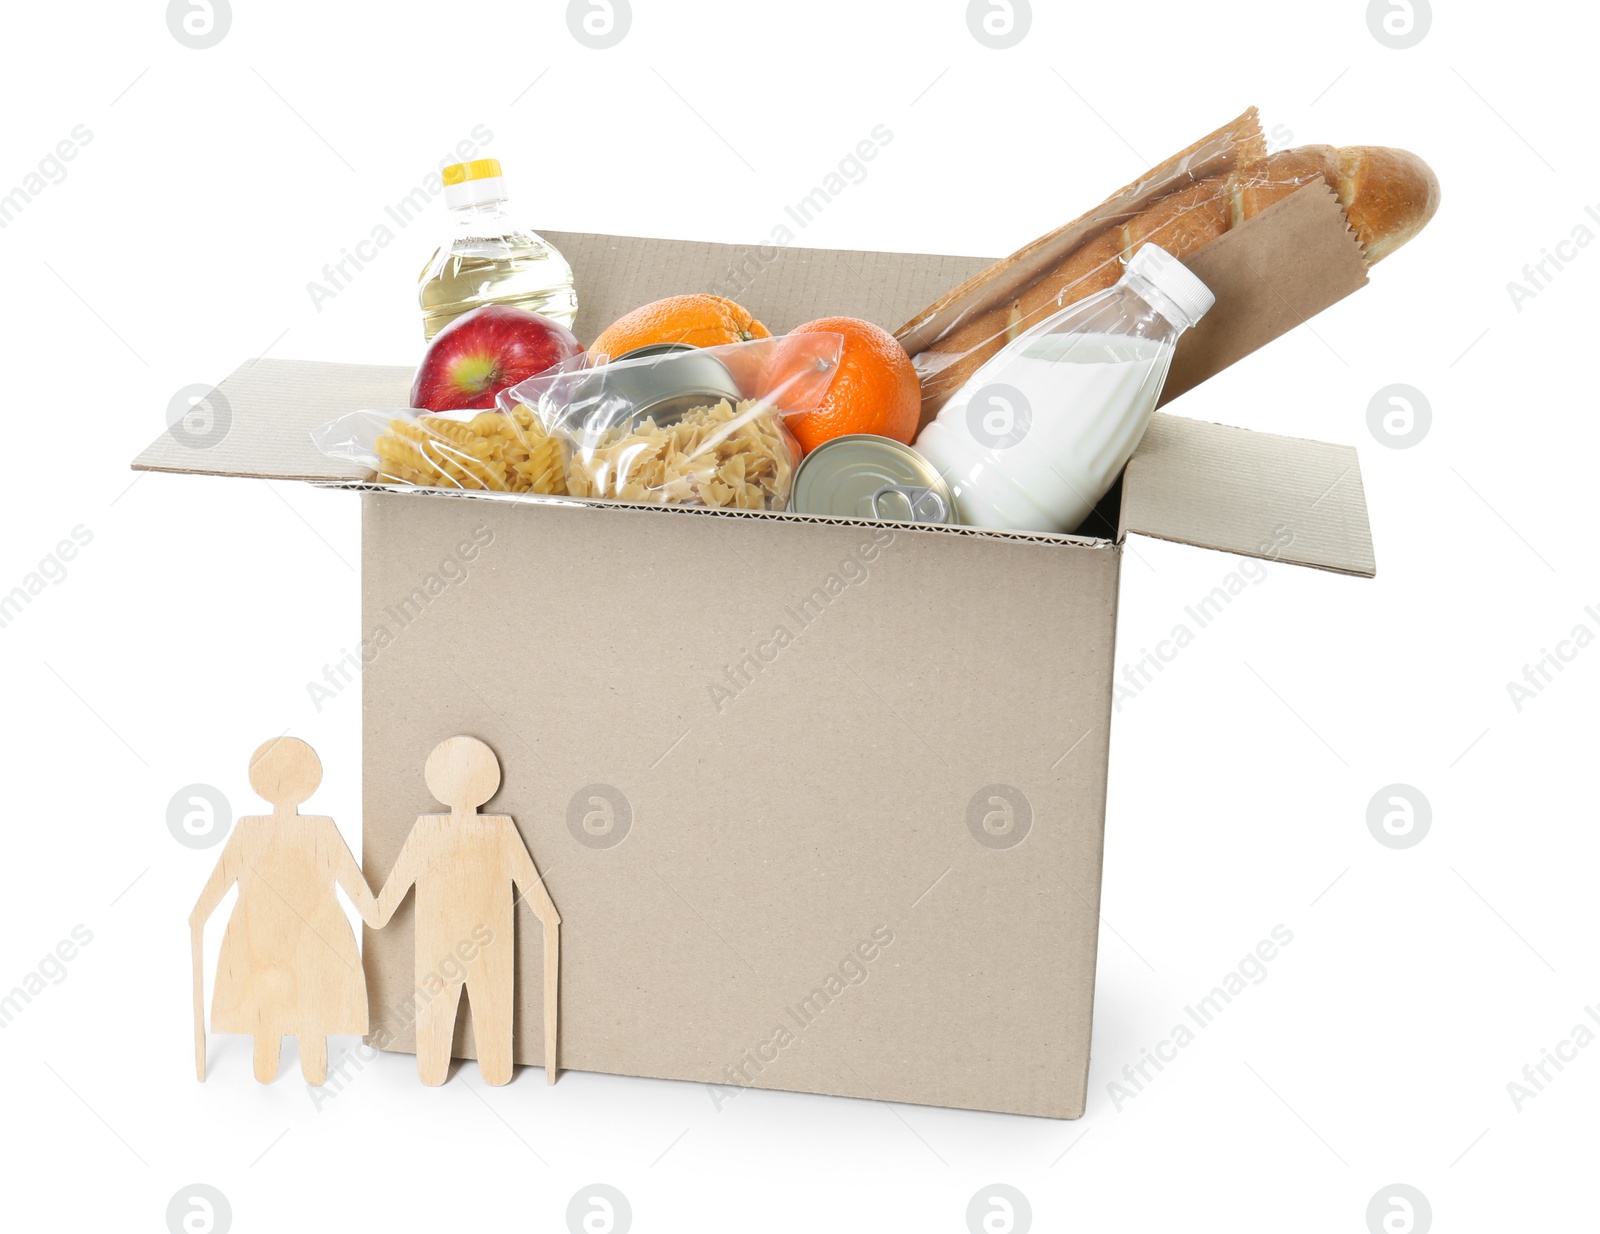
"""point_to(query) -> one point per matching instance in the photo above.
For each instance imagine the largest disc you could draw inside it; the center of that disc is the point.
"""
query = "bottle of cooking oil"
(489, 258)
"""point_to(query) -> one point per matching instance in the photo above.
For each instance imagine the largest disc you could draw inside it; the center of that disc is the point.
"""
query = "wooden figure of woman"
(289, 964)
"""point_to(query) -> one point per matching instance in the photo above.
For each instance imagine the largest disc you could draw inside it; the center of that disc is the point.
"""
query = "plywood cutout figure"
(289, 964)
(464, 866)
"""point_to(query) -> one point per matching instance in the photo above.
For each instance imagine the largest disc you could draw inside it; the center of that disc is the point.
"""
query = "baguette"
(1388, 197)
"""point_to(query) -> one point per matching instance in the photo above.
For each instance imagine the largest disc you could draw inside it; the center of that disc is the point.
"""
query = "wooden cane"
(197, 940)
(552, 988)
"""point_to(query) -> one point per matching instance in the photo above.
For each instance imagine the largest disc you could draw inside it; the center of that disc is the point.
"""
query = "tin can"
(865, 476)
(664, 382)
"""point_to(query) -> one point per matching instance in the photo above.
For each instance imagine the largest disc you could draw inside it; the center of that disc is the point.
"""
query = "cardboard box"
(859, 770)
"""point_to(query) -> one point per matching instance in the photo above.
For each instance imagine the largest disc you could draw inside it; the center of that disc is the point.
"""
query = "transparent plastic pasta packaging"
(665, 425)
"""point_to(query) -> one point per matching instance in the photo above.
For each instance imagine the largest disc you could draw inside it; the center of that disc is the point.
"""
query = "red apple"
(486, 351)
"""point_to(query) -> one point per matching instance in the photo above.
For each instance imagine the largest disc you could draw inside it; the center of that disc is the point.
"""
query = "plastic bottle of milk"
(1041, 432)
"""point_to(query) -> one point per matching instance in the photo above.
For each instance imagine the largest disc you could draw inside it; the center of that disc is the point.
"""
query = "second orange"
(875, 389)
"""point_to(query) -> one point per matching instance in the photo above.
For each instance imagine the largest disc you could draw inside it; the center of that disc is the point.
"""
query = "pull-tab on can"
(923, 505)
(869, 477)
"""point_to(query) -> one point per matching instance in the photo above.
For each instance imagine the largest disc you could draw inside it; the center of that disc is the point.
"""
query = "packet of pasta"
(502, 451)
(667, 425)
(675, 425)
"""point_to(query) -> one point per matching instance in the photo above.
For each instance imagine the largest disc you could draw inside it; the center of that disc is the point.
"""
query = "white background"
(1419, 983)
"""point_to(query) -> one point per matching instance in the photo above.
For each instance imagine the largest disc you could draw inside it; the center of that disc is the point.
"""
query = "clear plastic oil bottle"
(489, 258)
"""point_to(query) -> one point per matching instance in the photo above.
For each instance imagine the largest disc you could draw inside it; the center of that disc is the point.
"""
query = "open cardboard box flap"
(1255, 494)
(270, 407)
(1197, 483)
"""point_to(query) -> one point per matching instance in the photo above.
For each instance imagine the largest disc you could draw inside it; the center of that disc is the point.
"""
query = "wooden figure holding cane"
(289, 965)
(464, 866)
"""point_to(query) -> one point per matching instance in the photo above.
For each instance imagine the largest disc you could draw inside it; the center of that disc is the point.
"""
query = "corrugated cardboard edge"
(1256, 494)
(789, 516)
(1078, 1109)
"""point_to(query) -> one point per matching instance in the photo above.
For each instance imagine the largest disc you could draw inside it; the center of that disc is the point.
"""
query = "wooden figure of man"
(464, 865)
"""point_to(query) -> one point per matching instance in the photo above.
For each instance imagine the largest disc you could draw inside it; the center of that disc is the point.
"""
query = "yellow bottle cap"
(478, 169)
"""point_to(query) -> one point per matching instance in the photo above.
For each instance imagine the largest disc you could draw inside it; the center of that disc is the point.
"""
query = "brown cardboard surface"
(1256, 494)
(272, 407)
(784, 286)
(1269, 275)
(827, 799)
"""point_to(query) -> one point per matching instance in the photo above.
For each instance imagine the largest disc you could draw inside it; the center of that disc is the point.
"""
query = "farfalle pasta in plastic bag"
(676, 425)
(731, 457)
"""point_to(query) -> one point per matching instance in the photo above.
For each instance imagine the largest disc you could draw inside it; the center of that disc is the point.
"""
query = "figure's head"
(462, 772)
(285, 771)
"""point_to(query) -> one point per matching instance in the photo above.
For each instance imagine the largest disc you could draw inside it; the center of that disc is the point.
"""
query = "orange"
(698, 320)
(874, 389)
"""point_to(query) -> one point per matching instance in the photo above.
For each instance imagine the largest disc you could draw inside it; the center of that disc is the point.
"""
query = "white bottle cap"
(473, 184)
(1153, 266)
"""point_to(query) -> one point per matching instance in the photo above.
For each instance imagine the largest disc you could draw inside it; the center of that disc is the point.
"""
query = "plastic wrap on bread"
(1183, 205)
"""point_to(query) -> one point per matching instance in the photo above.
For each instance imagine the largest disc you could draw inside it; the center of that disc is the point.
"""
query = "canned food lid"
(654, 349)
(661, 382)
(865, 476)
